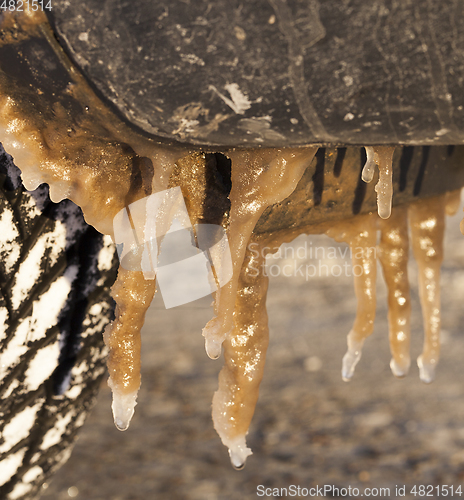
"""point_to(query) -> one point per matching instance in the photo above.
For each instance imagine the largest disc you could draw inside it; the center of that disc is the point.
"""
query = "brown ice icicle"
(383, 157)
(427, 221)
(369, 167)
(133, 296)
(394, 255)
(361, 234)
(260, 177)
(244, 355)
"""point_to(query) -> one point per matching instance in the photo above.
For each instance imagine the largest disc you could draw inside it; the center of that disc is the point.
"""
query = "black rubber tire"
(271, 73)
(55, 276)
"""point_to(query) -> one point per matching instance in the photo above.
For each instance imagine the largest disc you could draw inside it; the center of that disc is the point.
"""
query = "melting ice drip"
(382, 156)
(260, 178)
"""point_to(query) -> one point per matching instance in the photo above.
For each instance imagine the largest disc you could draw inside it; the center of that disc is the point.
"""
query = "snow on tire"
(55, 275)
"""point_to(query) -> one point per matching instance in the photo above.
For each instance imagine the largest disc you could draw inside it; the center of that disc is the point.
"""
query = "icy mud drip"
(244, 356)
(260, 178)
(427, 221)
(361, 234)
(133, 296)
(381, 156)
(394, 256)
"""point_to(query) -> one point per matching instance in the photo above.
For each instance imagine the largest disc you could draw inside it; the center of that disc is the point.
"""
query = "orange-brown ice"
(427, 221)
(244, 357)
(394, 256)
(361, 234)
(93, 167)
(133, 295)
(383, 157)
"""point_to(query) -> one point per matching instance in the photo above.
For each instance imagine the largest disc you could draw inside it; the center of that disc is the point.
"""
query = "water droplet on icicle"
(123, 408)
(213, 346)
(244, 355)
(394, 255)
(426, 370)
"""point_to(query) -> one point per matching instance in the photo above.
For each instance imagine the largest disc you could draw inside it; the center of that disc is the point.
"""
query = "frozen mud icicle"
(383, 157)
(244, 357)
(361, 234)
(394, 254)
(384, 187)
(369, 167)
(133, 296)
(260, 178)
(427, 221)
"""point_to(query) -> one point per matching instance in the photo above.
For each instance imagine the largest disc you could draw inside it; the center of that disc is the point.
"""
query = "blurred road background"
(310, 428)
